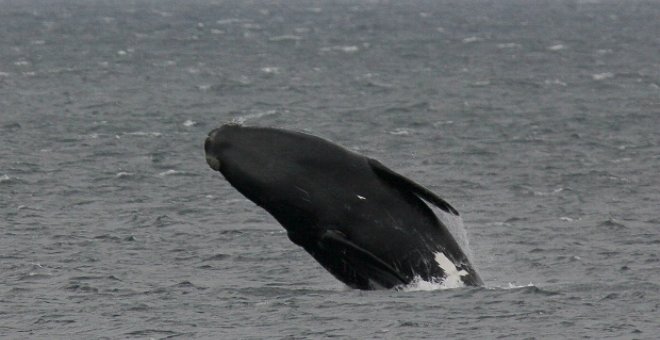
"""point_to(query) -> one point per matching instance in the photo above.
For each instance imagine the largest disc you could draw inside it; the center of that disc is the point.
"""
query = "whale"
(367, 225)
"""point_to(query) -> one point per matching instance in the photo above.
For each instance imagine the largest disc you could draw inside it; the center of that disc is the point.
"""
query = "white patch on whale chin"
(452, 273)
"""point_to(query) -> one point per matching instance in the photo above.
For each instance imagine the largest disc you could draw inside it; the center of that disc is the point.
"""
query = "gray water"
(537, 120)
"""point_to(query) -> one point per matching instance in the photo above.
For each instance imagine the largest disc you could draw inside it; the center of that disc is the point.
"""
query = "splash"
(420, 285)
(253, 116)
(514, 286)
(455, 226)
(511, 285)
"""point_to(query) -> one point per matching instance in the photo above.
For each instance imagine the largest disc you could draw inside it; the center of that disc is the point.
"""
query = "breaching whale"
(366, 224)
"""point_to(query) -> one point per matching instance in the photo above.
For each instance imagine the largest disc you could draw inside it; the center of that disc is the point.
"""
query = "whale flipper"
(398, 180)
(362, 260)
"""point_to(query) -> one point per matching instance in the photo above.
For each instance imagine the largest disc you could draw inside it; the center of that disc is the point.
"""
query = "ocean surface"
(538, 120)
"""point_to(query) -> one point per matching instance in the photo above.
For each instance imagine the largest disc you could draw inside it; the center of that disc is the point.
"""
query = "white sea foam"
(622, 160)
(270, 70)
(470, 40)
(443, 122)
(189, 123)
(516, 286)
(604, 51)
(242, 119)
(5, 178)
(545, 193)
(557, 47)
(419, 285)
(144, 134)
(400, 132)
(123, 174)
(345, 49)
(509, 285)
(554, 82)
(287, 37)
(602, 76)
(168, 173)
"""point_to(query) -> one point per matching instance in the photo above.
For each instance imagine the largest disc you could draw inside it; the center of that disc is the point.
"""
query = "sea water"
(537, 120)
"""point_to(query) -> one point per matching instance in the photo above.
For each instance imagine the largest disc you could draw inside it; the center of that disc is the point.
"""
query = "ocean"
(538, 120)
